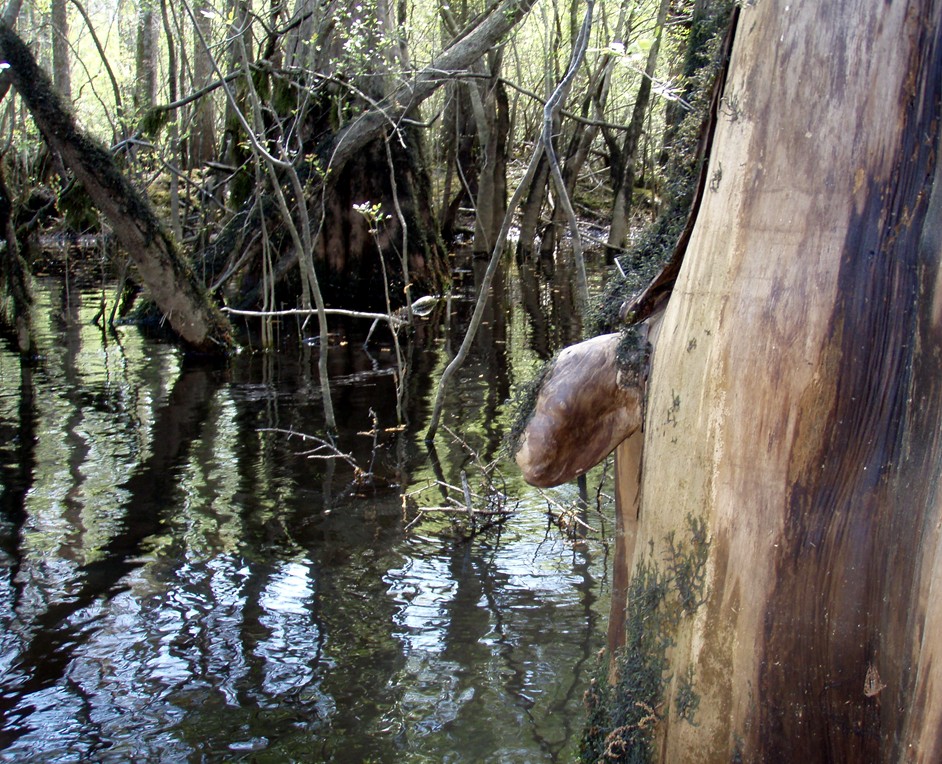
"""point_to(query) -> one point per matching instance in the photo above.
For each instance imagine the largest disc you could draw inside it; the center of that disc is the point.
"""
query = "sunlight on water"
(180, 580)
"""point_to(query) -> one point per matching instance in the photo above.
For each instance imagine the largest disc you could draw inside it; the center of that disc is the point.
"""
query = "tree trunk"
(201, 135)
(474, 142)
(145, 59)
(345, 149)
(61, 59)
(170, 281)
(781, 565)
(624, 170)
(491, 203)
(15, 321)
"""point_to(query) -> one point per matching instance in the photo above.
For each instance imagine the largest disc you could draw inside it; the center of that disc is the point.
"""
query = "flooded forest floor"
(191, 570)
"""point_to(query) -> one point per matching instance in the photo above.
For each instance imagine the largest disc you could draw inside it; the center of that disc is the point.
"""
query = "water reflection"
(179, 582)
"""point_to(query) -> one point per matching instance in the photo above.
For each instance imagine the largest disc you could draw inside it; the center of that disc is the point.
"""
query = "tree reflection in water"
(178, 583)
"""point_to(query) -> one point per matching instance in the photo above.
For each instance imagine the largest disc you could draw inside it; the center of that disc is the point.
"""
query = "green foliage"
(374, 215)
(622, 716)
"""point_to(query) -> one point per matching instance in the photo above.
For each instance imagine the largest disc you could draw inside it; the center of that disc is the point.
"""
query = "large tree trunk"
(784, 555)
(171, 282)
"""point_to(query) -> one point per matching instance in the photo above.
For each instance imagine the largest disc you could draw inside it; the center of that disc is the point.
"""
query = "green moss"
(153, 121)
(686, 700)
(623, 716)
(686, 564)
(633, 355)
(522, 405)
(655, 247)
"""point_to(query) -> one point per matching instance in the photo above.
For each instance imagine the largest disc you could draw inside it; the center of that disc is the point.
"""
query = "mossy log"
(171, 282)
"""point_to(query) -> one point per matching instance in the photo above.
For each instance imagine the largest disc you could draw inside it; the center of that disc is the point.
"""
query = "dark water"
(180, 581)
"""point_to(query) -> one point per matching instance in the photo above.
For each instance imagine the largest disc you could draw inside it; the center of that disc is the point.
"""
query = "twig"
(332, 452)
(392, 319)
(552, 106)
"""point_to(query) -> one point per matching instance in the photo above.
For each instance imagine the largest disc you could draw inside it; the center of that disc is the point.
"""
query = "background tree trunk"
(625, 159)
(201, 135)
(61, 56)
(145, 88)
(785, 554)
(493, 133)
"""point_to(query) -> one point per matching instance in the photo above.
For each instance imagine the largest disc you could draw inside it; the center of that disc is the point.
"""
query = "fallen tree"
(172, 284)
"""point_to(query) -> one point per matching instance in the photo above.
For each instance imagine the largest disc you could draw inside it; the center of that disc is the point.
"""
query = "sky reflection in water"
(177, 583)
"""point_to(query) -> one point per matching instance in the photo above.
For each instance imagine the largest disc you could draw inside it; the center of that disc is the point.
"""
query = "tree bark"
(491, 202)
(469, 47)
(145, 59)
(201, 136)
(61, 60)
(350, 146)
(785, 545)
(624, 165)
(171, 282)
(16, 320)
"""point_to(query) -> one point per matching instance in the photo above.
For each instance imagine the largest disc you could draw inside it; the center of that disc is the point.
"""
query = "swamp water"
(180, 581)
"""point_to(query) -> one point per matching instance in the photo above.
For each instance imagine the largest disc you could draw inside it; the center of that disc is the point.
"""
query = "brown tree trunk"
(61, 58)
(14, 278)
(171, 282)
(201, 135)
(624, 168)
(491, 202)
(474, 139)
(145, 89)
(351, 151)
(782, 559)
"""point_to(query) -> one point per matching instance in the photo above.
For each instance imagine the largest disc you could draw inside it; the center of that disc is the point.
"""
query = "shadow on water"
(180, 580)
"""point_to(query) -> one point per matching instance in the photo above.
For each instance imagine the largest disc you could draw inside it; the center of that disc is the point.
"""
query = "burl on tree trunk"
(780, 562)
(588, 403)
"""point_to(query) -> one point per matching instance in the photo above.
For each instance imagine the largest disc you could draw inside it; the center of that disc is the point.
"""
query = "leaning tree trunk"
(171, 282)
(785, 555)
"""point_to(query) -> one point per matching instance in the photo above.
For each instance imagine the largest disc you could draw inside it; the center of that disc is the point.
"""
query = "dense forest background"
(332, 155)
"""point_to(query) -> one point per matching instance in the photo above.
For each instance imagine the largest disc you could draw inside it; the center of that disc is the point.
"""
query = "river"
(183, 579)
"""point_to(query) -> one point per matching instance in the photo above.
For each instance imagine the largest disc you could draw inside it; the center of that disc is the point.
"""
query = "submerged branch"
(393, 320)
